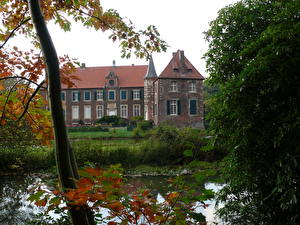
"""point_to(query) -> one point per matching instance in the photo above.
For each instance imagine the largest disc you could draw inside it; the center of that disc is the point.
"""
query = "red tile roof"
(180, 67)
(94, 77)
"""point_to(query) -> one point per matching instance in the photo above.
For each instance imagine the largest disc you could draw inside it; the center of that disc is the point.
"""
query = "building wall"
(163, 94)
(68, 103)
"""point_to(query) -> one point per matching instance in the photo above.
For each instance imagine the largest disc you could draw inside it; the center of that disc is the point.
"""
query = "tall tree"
(254, 57)
(17, 18)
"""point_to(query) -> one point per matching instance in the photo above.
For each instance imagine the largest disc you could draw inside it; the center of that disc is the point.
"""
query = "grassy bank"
(112, 133)
(164, 146)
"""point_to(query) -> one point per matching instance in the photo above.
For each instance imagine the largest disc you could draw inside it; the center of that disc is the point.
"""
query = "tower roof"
(180, 67)
(151, 72)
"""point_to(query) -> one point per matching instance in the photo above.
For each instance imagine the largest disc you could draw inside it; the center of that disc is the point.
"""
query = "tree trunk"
(65, 160)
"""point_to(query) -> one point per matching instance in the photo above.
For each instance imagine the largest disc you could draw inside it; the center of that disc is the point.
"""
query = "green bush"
(114, 121)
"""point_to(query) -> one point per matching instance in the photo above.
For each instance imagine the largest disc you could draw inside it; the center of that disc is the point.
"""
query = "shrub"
(115, 121)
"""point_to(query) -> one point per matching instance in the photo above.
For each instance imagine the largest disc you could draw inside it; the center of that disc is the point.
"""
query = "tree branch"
(30, 99)
(6, 101)
(13, 31)
(20, 77)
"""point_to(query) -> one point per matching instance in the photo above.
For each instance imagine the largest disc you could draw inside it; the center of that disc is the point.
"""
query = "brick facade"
(175, 97)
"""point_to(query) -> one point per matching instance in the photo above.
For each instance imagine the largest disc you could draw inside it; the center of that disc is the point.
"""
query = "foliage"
(254, 58)
(114, 121)
(107, 190)
(111, 133)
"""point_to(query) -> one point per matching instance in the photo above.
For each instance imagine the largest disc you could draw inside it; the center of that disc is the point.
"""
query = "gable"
(180, 68)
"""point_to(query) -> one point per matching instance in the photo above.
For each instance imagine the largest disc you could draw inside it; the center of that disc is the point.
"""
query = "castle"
(175, 96)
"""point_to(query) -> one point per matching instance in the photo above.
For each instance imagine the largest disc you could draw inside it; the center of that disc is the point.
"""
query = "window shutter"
(95, 95)
(78, 96)
(193, 107)
(178, 107)
(142, 93)
(131, 94)
(104, 94)
(168, 107)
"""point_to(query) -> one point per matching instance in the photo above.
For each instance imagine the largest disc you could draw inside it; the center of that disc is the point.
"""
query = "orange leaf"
(42, 202)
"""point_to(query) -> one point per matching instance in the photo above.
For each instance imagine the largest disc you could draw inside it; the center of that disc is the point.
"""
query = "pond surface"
(14, 209)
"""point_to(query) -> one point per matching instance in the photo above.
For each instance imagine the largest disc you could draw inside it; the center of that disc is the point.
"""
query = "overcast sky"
(180, 23)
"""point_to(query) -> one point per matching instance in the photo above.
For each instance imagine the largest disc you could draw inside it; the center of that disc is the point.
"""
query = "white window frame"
(136, 110)
(174, 86)
(99, 111)
(136, 94)
(121, 95)
(87, 100)
(99, 95)
(192, 86)
(75, 114)
(76, 96)
(124, 111)
(87, 114)
(109, 96)
(173, 107)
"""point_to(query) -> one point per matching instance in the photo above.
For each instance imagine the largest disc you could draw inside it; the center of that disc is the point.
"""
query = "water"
(14, 209)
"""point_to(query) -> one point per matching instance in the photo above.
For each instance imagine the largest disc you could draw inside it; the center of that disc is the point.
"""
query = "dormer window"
(176, 70)
(111, 82)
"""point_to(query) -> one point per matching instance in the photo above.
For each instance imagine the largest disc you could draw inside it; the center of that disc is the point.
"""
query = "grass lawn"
(112, 133)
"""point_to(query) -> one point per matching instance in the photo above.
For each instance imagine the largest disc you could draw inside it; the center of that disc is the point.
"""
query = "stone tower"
(149, 79)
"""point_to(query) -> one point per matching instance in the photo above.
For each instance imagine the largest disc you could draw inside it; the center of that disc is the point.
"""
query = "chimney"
(82, 66)
(181, 57)
(174, 53)
(114, 63)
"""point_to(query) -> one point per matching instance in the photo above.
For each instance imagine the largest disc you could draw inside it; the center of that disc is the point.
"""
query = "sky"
(180, 23)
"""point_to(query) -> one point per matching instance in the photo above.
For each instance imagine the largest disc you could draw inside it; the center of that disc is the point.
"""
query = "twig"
(13, 31)
(9, 93)
(29, 100)
(20, 77)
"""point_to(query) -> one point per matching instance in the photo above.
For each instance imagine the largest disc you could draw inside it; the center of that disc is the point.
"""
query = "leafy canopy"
(254, 58)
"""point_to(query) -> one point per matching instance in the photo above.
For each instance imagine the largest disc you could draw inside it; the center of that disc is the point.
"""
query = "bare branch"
(20, 77)
(13, 31)
(30, 99)
(6, 101)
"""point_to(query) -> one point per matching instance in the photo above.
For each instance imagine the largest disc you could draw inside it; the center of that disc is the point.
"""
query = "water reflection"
(14, 209)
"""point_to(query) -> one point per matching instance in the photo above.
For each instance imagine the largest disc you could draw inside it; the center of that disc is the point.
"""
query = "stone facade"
(174, 97)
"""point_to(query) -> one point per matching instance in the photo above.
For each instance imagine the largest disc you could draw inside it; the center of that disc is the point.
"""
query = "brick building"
(176, 96)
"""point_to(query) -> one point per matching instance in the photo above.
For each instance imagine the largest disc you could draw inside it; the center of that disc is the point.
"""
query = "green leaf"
(188, 153)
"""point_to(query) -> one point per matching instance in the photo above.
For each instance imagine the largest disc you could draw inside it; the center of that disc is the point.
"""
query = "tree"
(29, 18)
(254, 57)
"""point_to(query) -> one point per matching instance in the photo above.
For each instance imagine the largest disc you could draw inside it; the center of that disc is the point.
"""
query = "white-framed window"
(173, 107)
(75, 96)
(99, 111)
(136, 94)
(75, 112)
(123, 94)
(99, 95)
(173, 86)
(63, 95)
(87, 111)
(111, 95)
(87, 96)
(124, 111)
(192, 86)
(136, 110)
